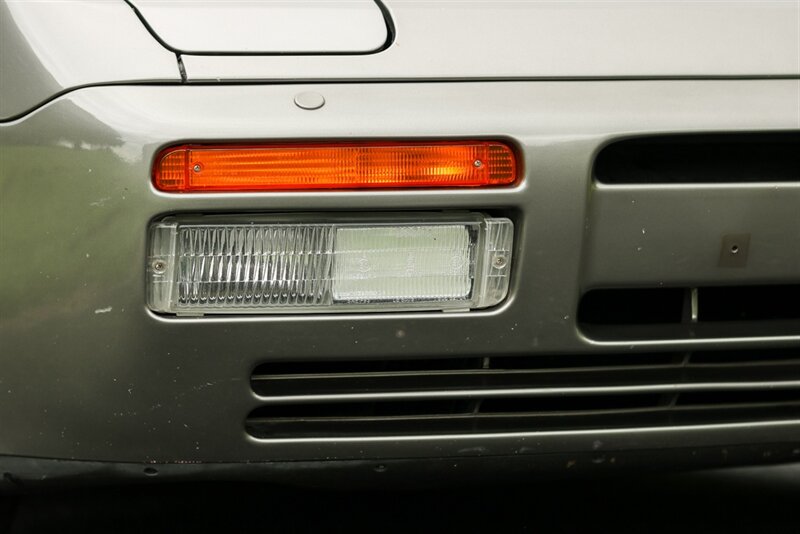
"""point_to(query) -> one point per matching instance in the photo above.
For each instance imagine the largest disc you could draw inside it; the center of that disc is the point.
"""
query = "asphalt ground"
(753, 499)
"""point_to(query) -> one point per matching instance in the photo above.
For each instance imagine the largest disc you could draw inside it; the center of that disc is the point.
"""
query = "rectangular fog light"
(213, 265)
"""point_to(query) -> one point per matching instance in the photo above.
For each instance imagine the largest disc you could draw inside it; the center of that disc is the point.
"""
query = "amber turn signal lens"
(232, 168)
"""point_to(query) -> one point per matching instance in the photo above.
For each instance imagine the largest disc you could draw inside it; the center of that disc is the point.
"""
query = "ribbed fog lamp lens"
(208, 265)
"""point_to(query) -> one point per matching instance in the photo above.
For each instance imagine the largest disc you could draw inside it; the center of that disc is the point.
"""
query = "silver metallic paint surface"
(443, 39)
(87, 372)
(47, 47)
(688, 230)
(266, 26)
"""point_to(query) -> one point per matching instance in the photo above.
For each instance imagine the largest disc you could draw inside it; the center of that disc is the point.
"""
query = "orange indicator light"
(303, 167)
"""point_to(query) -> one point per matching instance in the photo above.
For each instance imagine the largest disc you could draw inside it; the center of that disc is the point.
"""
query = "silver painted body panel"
(87, 372)
(53, 46)
(266, 26)
(444, 39)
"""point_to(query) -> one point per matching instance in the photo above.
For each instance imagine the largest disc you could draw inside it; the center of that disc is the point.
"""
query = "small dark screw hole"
(150, 471)
(735, 249)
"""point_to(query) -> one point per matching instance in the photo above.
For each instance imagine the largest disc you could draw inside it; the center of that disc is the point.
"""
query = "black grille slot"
(361, 410)
(664, 313)
(300, 368)
(578, 361)
(632, 306)
(738, 398)
(714, 158)
(749, 303)
(526, 393)
(746, 357)
(567, 404)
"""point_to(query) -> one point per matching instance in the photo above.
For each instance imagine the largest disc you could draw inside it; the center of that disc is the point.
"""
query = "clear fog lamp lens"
(195, 267)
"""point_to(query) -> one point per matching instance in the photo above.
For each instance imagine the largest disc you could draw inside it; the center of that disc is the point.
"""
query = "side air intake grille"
(706, 158)
(730, 311)
(522, 394)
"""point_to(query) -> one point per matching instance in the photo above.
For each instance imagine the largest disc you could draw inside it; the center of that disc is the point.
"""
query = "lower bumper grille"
(523, 394)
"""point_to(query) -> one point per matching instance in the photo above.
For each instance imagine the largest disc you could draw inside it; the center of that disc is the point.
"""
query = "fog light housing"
(296, 264)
